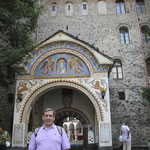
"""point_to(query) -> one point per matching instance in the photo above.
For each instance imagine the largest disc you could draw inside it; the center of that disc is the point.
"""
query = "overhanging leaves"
(18, 20)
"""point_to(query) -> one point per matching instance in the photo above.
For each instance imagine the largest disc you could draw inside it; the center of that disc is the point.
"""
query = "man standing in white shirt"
(126, 137)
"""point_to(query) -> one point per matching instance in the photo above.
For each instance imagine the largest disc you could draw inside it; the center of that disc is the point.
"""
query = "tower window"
(120, 6)
(69, 7)
(53, 8)
(145, 34)
(84, 7)
(117, 70)
(140, 6)
(124, 35)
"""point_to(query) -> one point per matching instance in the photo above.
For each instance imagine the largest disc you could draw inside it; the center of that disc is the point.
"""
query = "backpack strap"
(59, 130)
(36, 131)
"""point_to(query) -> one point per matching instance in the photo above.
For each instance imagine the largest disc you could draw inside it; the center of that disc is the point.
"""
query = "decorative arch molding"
(145, 24)
(62, 43)
(53, 52)
(56, 51)
(123, 25)
(33, 97)
(61, 47)
(147, 56)
(118, 57)
(72, 112)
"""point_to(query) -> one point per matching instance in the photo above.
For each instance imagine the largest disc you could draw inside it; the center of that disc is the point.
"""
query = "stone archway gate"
(62, 60)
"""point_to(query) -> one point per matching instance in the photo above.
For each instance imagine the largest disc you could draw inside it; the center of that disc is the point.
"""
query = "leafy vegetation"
(18, 21)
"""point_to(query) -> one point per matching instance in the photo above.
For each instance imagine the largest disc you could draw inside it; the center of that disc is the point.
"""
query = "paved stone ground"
(94, 147)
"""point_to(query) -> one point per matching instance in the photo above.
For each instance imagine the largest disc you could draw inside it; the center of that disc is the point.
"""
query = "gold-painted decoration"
(53, 70)
(36, 93)
(18, 105)
(100, 88)
(22, 88)
(48, 47)
(48, 54)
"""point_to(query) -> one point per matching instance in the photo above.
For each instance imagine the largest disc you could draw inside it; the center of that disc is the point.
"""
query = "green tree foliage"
(18, 20)
(146, 93)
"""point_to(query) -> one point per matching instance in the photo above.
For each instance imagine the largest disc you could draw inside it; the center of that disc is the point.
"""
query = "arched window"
(102, 8)
(148, 65)
(53, 9)
(117, 70)
(84, 8)
(120, 6)
(84, 4)
(145, 35)
(124, 35)
(69, 9)
(140, 6)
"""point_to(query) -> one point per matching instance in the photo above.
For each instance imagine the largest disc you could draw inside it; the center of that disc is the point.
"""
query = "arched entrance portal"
(57, 65)
(80, 117)
(68, 102)
(68, 99)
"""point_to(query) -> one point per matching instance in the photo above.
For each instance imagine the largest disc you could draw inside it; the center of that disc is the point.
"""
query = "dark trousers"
(2, 147)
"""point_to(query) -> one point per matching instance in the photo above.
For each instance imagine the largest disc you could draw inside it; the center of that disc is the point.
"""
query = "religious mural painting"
(63, 47)
(76, 66)
(47, 67)
(61, 65)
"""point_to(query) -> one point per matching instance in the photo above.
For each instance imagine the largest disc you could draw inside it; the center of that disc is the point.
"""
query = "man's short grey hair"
(49, 109)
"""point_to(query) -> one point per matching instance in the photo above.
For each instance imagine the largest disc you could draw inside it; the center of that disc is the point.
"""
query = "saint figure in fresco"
(76, 65)
(47, 66)
(62, 68)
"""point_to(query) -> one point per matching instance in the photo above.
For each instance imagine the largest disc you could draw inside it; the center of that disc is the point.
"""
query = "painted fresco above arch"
(62, 42)
(62, 65)
(64, 45)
